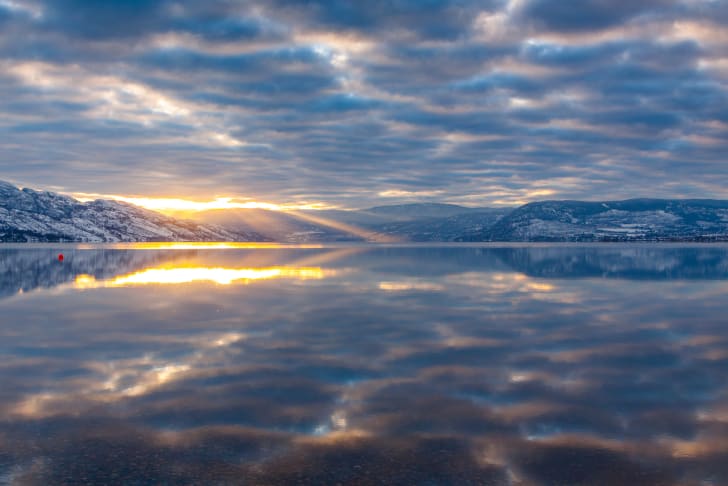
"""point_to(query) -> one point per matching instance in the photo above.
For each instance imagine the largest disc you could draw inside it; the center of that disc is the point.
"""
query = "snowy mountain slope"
(29, 215)
(630, 220)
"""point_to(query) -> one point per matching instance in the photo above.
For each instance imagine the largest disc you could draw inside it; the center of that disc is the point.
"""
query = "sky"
(357, 103)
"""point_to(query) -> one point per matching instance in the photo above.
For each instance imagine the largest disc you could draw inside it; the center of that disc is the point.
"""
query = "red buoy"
(60, 257)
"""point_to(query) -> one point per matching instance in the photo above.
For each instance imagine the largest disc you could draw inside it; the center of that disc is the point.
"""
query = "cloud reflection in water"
(450, 365)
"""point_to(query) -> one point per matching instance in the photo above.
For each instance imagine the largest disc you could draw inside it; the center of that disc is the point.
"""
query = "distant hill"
(405, 222)
(29, 215)
(630, 220)
(444, 228)
(288, 227)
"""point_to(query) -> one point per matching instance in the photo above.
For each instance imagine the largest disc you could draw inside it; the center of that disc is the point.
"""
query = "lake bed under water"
(453, 364)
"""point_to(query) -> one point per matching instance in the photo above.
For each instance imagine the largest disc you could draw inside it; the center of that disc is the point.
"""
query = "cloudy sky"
(353, 103)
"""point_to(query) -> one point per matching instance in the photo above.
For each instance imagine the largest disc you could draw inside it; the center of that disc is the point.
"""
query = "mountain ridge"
(637, 219)
(30, 215)
(27, 215)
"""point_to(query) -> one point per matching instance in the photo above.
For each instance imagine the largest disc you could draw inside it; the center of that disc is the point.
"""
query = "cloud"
(116, 18)
(337, 102)
(429, 19)
(587, 15)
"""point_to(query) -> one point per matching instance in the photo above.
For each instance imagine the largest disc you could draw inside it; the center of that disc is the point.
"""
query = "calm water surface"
(523, 365)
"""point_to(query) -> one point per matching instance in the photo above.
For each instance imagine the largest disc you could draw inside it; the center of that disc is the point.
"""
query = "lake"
(227, 364)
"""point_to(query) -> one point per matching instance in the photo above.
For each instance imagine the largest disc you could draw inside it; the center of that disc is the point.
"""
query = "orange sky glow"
(177, 206)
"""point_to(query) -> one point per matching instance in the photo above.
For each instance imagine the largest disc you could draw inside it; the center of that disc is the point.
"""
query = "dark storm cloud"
(479, 102)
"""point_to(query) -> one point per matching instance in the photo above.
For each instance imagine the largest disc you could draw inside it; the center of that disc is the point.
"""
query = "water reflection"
(23, 271)
(218, 275)
(353, 365)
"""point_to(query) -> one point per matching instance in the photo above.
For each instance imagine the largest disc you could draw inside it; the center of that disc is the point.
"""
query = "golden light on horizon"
(217, 275)
(186, 208)
(193, 245)
(173, 205)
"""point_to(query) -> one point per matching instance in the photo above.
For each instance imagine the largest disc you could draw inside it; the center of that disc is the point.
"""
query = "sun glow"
(346, 228)
(179, 205)
(190, 245)
(172, 204)
(217, 275)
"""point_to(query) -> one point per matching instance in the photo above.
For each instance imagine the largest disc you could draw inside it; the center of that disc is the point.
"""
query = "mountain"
(288, 227)
(443, 228)
(28, 215)
(404, 222)
(630, 220)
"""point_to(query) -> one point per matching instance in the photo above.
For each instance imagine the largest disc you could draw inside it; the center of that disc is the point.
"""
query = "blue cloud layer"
(493, 102)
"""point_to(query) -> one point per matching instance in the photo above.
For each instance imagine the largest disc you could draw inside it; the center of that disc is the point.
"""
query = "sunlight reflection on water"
(220, 276)
(495, 365)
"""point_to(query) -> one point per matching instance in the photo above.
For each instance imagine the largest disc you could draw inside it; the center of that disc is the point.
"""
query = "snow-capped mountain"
(630, 220)
(29, 215)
